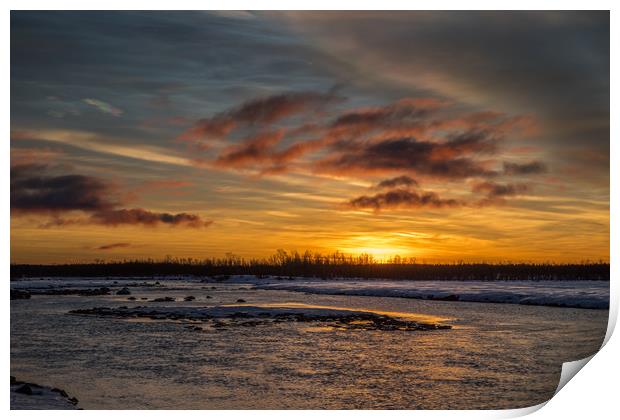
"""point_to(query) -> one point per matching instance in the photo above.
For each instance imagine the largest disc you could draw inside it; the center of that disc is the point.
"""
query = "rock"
(61, 392)
(240, 301)
(164, 299)
(209, 297)
(123, 291)
(194, 328)
(131, 298)
(189, 298)
(19, 294)
(144, 298)
(449, 298)
(24, 389)
(95, 292)
(342, 320)
(13, 380)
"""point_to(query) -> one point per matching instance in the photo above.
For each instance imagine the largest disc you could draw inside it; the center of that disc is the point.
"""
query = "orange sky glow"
(284, 131)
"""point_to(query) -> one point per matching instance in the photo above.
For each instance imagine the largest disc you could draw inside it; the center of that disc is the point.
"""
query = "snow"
(42, 398)
(79, 282)
(575, 294)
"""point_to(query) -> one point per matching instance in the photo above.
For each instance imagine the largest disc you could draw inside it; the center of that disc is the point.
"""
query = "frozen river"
(496, 355)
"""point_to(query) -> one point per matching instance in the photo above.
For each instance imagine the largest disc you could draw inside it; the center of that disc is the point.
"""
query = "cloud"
(254, 149)
(257, 112)
(138, 216)
(107, 247)
(562, 74)
(398, 181)
(495, 190)
(404, 194)
(559, 49)
(525, 168)
(422, 136)
(104, 107)
(418, 135)
(402, 198)
(406, 114)
(165, 184)
(443, 160)
(93, 142)
(30, 155)
(35, 191)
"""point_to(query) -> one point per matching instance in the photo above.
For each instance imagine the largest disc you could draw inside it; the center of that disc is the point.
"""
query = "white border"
(592, 395)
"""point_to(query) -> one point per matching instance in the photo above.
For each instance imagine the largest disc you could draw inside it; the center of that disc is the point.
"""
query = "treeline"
(294, 264)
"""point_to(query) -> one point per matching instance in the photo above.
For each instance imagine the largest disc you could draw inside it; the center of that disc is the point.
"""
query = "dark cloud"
(525, 168)
(402, 180)
(443, 160)
(34, 191)
(144, 217)
(114, 246)
(402, 198)
(495, 190)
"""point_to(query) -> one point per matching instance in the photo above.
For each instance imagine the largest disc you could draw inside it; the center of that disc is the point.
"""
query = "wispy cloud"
(138, 216)
(108, 247)
(398, 181)
(528, 168)
(104, 107)
(102, 144)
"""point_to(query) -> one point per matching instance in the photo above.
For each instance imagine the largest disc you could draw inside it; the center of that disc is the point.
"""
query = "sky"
(444, 136)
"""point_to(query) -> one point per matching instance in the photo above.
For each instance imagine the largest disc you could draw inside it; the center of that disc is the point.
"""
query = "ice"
(592, 294)
(574, 294)
(42, 398)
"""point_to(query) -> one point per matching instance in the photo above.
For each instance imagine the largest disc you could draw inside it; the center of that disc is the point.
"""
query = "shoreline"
(32, 396)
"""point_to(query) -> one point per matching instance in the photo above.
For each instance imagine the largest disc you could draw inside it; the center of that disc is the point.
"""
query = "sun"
(380, 253)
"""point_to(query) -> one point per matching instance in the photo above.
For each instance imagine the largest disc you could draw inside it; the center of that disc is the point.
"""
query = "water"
(496, 355)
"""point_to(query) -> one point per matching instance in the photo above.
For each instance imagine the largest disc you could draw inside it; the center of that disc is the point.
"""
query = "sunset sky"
(443, 136)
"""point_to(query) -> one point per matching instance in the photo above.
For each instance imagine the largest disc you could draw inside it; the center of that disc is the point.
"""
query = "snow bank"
(27, 396)
(81, 282)
(574, 294)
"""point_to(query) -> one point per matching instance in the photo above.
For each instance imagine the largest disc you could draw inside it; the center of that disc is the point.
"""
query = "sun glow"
(381, 254)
